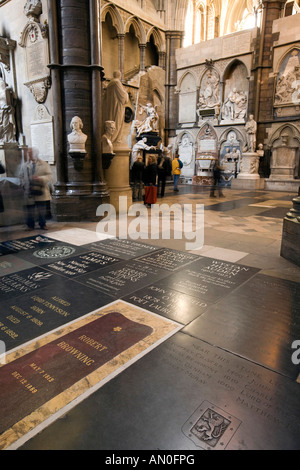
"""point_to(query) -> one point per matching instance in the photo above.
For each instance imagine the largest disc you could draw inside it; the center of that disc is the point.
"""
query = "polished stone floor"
(127, 345)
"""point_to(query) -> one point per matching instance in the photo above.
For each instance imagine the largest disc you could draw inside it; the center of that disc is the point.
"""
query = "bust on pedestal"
(107, 146)
(77, 140)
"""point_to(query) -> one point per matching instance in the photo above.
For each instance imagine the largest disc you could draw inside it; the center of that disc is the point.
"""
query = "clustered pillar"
(76, 77)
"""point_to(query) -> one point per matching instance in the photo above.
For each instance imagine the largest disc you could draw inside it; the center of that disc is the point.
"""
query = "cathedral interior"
(173, 326)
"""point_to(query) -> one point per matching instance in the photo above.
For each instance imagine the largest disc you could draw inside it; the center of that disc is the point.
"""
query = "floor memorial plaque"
(124, 249)
(169, 259)
(20, 283)
(35, 383)
(265, 313)
(169, 303)
(197, 397)
(82, 264)
(49, 253)
(209, 279)
(123, 278)
(34, 314)
(24, 244)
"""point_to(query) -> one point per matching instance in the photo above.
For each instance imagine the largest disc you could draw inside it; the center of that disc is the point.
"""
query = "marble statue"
(251, 130)
(150, 123)
(115, 100)
(209, 93)
(77, 138)
(107, 146)
(235, 106)
(287, 86)
(7, 114)
(138, 148)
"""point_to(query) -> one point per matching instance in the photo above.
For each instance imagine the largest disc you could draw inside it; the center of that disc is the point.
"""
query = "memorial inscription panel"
(169, 303)
(50, 253)
(23, 282)
(209, 279)
(32, 380)
(24, 244)
(34, 314)
(168, 259)
(123, 249)
(200, 389)
(265, 313)
(123, 278)
(82, 264)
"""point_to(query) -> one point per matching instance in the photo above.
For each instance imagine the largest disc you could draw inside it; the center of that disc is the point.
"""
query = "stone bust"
(77, 138)
(107, 146)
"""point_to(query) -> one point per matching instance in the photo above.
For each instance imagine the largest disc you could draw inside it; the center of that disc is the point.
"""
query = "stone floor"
(130, 345)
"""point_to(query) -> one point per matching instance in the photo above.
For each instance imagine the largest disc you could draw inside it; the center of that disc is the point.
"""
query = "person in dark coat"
(217, 181)
(137, 173)
(2, 171)
(150, 173)
(164, 169)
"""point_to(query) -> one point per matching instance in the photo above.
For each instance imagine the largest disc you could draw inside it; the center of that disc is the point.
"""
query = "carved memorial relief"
(235, 102)
(287, 90)
(34, 41)
(209, 95)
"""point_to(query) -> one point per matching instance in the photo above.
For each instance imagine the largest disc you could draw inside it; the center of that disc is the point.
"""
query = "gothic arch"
(158, 39)
(138, 27)
(291, 129)
(282, 58)
(115, 16)
(231, 65)
(183, 79)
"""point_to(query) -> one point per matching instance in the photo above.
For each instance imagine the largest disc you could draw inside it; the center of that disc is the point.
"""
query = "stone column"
(121, 38)
(142, 57)
(77, 73)
(174, 41)
(264, 100)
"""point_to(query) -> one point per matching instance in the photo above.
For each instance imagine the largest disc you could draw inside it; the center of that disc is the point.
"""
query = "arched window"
(199, 23)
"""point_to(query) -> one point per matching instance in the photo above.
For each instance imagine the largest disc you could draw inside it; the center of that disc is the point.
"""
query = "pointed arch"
(138, 27)
(158, 39)
(117, 21)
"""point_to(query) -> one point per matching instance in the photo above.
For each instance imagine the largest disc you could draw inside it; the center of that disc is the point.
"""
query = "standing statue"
(7, 114)
(114, 105)
(77, 138)
(251, 130)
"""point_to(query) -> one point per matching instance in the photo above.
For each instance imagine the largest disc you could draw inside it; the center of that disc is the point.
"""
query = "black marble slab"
(183, 395)
(276, 213)
(78, 265)
(24, 244)
(168, 259)
(123, 278)
(225, 206)
(260, 321)
(26, 318)
(208, 279)
(168, 303)
(12, 264)
(47, 254)
(22, 282)
(123, 249)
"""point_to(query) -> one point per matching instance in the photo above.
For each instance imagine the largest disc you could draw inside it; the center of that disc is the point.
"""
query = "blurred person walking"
(36, 177)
